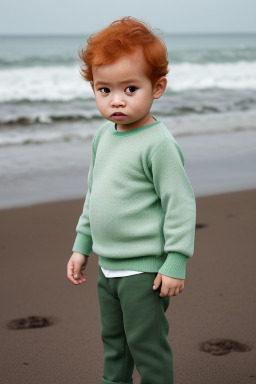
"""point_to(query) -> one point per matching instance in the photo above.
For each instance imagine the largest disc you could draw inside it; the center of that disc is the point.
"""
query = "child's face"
(123, 92)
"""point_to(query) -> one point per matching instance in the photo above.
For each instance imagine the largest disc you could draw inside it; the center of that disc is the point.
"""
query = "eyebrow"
(128, 81)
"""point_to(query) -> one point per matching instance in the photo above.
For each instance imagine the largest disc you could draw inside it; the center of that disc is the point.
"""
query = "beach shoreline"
(218, 300)
(33, 174)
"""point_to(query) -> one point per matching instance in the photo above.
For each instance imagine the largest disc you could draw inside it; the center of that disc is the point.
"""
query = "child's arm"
(82, 247)
(76, 265)
(178, 204)
(83, 241)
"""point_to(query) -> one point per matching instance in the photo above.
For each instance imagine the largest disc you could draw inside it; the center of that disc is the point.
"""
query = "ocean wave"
(32, 61)
(236, 76)
(194, 125)
(61, 83)
(192, 56)
(44, 140)
(19, 140)
(47, 120)
(30, 115)
(212, 56)
(29, 51)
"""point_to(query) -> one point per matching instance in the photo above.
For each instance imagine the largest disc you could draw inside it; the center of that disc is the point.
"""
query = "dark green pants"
(134, 330)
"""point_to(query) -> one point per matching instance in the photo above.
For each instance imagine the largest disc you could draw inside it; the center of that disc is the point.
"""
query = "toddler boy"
(139, 212)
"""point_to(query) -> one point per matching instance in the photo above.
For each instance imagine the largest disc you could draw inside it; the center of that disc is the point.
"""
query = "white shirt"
(120, 273)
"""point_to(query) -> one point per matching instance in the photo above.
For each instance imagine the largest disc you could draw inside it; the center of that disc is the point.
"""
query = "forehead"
(127, 66)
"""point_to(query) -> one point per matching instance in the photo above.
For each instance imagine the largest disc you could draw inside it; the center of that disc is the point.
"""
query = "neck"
(129, 127)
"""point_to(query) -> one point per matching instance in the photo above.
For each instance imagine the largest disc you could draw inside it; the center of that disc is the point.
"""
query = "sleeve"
(83, 242)
(179, 206)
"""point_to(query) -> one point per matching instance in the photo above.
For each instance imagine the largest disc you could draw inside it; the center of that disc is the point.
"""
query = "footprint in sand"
(223, 346)
(30, 322)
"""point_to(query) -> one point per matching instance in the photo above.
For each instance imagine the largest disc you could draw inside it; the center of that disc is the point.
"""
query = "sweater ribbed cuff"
(174, 266)
(83, 244)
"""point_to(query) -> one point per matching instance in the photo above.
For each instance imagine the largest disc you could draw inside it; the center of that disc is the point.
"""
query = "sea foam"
(64, 83)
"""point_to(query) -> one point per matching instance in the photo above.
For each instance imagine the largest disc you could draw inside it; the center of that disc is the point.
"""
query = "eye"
(104, 90)
(130, 89)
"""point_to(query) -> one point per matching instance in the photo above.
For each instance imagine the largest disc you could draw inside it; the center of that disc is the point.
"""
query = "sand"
(218, 300)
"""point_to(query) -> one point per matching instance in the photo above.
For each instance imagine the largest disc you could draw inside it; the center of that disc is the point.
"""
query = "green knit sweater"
(139, 212)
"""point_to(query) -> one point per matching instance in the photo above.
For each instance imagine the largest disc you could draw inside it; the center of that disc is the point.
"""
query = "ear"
(159, 87)
(92, 85)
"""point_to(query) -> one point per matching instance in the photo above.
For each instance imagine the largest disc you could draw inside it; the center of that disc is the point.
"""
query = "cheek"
(140, 104)
(101, 103)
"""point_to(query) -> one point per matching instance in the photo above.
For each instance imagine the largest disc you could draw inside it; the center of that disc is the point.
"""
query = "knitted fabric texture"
(139, 212)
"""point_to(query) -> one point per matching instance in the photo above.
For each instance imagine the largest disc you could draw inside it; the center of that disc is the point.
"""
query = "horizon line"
(169, 33)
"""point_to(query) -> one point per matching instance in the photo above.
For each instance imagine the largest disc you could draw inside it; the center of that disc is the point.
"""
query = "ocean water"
(48, 114)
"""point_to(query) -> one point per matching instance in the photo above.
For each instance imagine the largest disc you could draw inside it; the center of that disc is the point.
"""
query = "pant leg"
(118, 363)
(146, 328)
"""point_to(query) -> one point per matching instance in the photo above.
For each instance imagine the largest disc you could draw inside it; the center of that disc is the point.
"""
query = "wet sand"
(218, 300)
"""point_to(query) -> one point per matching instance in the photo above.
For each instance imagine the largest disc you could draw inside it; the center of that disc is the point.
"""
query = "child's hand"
(170, 286)
(77, 263)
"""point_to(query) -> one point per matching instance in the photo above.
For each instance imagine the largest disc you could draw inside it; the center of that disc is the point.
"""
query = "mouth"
(118, 116)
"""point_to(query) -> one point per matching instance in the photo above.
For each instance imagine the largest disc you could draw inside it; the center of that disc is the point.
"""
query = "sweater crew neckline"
(132, 131)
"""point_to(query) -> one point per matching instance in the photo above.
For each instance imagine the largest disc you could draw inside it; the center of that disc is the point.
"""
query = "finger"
(74, 281)
(77, 281)
(70, 268)
(77, 272)
(70, 272)
(177, 291)
(79, 277)
(82, 278)
(171, 292)
(157, 281)
(164, 292)
(181, 288)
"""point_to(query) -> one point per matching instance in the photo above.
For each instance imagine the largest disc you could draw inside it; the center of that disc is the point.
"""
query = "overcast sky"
(83, 16)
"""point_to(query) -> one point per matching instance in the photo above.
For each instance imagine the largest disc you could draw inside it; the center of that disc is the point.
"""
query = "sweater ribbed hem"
(83, 244)
(142, 264)
(174, 266)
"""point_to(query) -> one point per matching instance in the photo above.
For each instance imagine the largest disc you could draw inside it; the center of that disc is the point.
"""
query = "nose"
(117, 100)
